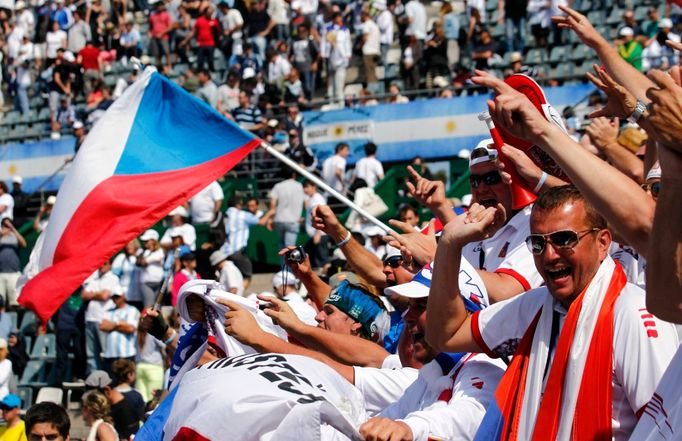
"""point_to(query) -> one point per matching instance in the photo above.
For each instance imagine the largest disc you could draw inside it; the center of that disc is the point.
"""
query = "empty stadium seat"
(558, 54)
(27, 320)
(50, 394)
(13, 316)
(35, 374)
(26, 395)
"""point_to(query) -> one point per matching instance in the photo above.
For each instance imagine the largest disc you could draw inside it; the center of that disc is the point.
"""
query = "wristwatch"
(640, 108)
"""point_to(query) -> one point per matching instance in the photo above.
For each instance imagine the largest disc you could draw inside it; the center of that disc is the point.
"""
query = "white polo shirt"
(381, 387)
(231, 277)
(329, 168)
(369, 169)
(202, 204)
(642, 346)
(506, 252)
(98, 309)
(472, 381)
(661, 419)
(188, 233)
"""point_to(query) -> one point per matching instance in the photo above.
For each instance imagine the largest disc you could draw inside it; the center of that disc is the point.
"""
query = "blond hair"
(98, 405)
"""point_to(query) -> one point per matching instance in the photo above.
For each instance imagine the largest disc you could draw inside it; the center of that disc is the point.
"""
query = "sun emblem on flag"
(338, 131)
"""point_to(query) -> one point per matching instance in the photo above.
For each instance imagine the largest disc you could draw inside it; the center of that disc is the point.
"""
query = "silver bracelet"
(637, 113)
(541, 182)
(344, 241)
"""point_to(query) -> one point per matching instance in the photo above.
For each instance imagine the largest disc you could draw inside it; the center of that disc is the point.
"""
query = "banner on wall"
(433, 128)
(35, 162)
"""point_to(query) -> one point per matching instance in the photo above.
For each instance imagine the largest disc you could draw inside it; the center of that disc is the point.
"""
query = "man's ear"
(356, 328)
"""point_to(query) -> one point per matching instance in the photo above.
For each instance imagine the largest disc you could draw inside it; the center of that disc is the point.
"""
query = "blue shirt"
(118, 344)
(237, 225)
(451, 26)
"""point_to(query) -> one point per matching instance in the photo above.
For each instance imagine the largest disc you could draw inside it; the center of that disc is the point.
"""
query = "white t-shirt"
(310, 203)
(417, 13)
(230, 277)
(381, 387)
(53, 41)
(369, 169)
(8, 201)
(188, 233)
(202, 204)
(661, 419)
(472, 380)
(371, 31)
(385, 23)
(329, 168)
(231, 20)
(642, 346)
(153, 272)
(506, 252)
(290, 198)
(5, 376)
(228, 97)
(264, 397)
(633, 264)
(98, 309)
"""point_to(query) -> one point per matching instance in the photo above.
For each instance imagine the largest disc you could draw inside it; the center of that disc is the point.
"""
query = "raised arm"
(364, 262)
(448, 325)
(318, 290)
(618, 198)
(347, 349)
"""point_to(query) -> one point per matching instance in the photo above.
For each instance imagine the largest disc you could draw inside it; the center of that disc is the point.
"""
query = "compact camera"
(297, 255)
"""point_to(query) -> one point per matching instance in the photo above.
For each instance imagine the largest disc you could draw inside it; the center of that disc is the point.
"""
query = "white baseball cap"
(626, 32)
(417, 288)
(149, 235)
(279, 278)
(665, 23)
(51, 200)
(17, 179)
(179, 211)
(482, 153)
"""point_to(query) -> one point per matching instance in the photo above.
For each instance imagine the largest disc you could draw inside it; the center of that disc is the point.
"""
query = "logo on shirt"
(649, 323)
(477, 382)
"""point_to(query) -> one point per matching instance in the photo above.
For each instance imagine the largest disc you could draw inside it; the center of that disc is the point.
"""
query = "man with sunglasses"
(584, 345)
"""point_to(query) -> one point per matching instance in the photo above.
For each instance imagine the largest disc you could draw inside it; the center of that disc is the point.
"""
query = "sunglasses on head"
(562, 240)
(393, 261)
(654, 188)
(490, 178)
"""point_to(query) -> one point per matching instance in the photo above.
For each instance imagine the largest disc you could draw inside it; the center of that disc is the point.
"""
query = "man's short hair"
(340, 146)
(309, 183)
(558, 196)
(204, 71)
(121, 369)
(47, 412)
(405, 208)
(370, 149)
(236, 200)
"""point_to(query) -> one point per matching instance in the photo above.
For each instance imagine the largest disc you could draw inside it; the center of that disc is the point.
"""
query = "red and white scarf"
(576, 404)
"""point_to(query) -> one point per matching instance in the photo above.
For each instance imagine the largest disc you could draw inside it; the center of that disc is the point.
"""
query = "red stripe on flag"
(115, 212)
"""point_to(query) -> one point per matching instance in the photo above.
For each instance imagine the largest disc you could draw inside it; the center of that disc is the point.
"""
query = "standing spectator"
(451, 27)
(278, 68)
(23, 82)
(513, 14)
(5, 321)
(334, 167)
(305, 54)
(232, 22)
(69, 336)
(238, 222)
(43, 215)
(79, 33)
(128, 273)
(179, 227)
(227, 273)
(64, 117)
(6, 202)
(260, 25)
(20, 200)
(62, 15)
(151, 262)
(91, 62)
(205, 30)
(182, 28)
(370, 46)
(10, 266)
(17, 354)
(286, 200)
(5, 368)
(205, 205)
(278, 11)
(188, 267)
(385, 21)
(11, 413)
(336, 48)
(410, 64)
(130, 42)
(369, 168)
(228, 95)
(318, 244)
(247, 115)
(160, 26)
(47, 420)
(24, 18)
(120, 325)
(60, 86)
(436, 53)
(97, 291)
(208, 91)
(149, 364)
(629, 49)
(96, 410)
(415, 19)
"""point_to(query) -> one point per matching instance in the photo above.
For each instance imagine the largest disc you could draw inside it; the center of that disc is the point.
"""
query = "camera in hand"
(297, 255)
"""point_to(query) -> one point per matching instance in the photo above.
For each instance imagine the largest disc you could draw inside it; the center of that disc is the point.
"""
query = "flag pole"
(320, 183)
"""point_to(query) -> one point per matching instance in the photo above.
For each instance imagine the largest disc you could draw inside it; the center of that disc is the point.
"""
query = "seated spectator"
(246, 60)
(64, 117)
(484, 51)
(208, 91)
(395, 97)
(47, 420)
(227, 273)
(96, 413)
(124, 375)
(17, 354)
(228, 95)
(629, 49)
(130, 42)
(292, 90)
(248, 116)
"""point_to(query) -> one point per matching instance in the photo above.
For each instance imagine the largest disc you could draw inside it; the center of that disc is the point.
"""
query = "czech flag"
(156, 147)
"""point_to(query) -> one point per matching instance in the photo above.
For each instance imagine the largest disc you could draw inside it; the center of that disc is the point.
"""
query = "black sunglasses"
(490, 178)
(563, 240)
(393, 261)
(654, 188)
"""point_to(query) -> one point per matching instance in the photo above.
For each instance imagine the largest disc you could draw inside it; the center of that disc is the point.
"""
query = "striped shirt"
(118, 344)
(237, 224)
(247, 117)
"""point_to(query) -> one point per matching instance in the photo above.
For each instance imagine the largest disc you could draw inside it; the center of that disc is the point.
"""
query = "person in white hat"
(20, 200)
(43, 216)
(151, 261)
(120, 326)
(179, 225)
(629, 48)
(6, 202)
(285, 286)
(227, 273)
